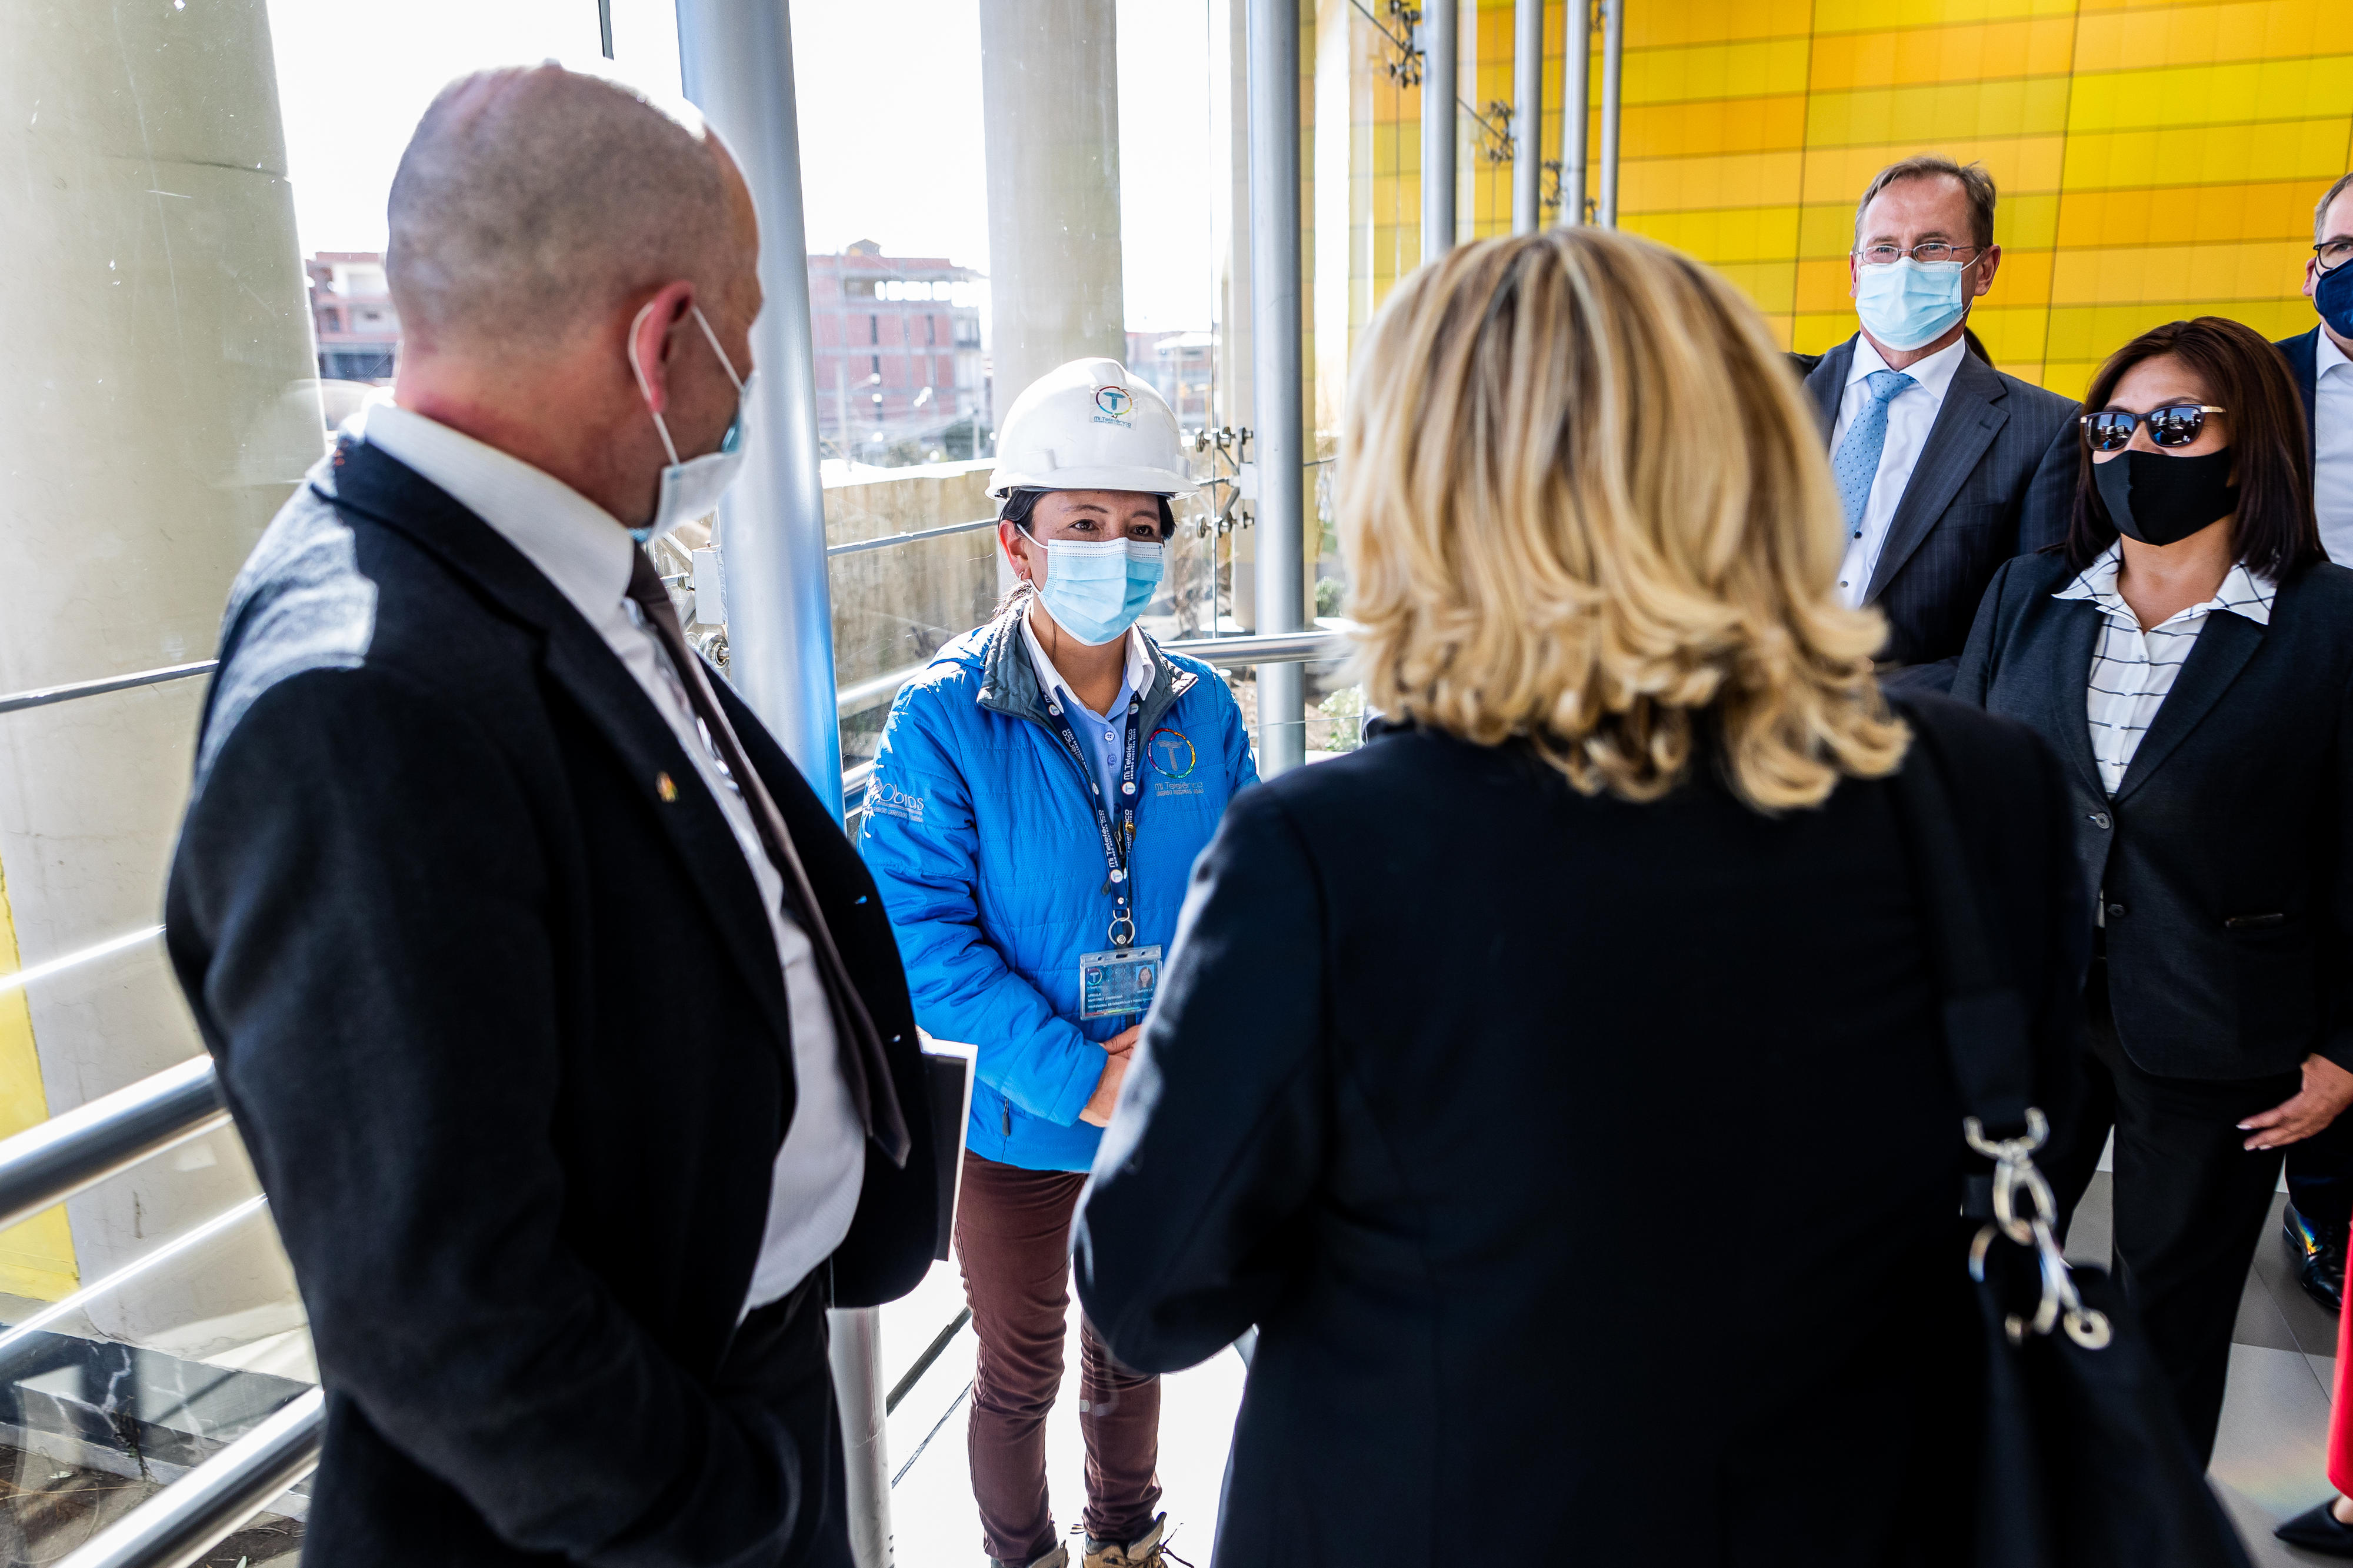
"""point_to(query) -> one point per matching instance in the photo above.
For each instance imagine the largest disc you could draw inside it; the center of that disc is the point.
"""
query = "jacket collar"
(2222, 649)
(372, 484)
(1009, 681)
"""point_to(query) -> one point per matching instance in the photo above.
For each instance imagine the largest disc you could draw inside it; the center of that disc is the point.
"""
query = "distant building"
(899, 360)
(352, 318)
(1177, 366)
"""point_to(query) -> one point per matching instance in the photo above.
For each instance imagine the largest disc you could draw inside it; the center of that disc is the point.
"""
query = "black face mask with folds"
(2160, 499)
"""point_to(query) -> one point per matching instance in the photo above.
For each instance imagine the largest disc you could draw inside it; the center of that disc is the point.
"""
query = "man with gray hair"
(1946, 467)
(565, 1029)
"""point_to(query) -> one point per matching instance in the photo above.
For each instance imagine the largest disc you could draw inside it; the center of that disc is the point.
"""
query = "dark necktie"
(865, 1071)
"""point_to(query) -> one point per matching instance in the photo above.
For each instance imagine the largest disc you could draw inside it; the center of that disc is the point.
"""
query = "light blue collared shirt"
(1105, 738)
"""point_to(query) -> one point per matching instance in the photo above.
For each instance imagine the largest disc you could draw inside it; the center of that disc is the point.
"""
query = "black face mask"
(2160, 499)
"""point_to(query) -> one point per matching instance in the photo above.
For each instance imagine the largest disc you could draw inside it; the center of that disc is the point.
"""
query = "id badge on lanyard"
(1119, 980)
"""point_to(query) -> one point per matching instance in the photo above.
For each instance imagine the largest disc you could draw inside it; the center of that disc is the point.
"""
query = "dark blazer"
(502, 1021)
(2227, 855)
(2302, 355)
(1997, 478)
(1444, 1048)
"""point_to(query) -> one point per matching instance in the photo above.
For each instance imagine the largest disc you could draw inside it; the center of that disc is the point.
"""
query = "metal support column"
(1441, 38)
(1574, 111)
(1613, 56)
(735, 61)
(1527, 116)
(1275, 371)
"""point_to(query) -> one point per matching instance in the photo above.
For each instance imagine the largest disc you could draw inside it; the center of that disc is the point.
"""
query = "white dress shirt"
(2132, 669)
(2332, 468)
(1910, 416)
(586, 553)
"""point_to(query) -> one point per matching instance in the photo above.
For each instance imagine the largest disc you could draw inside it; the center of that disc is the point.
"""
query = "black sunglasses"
(2176, 426)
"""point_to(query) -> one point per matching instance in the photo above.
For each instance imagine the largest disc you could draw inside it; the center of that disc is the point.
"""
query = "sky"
(891, 144)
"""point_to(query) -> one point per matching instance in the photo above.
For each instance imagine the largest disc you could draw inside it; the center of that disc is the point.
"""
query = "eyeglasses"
(1927, 253)
(2177, 425)
(2333, 253)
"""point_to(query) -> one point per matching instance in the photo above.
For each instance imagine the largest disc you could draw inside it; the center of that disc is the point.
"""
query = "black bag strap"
(1986, 1037)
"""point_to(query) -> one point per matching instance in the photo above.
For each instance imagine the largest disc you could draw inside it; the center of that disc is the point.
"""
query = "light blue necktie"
(1857, 463)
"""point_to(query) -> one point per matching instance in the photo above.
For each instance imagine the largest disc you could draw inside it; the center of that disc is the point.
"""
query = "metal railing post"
(1573, 111)
(735, 61)
(1527, 116)
(1613, 57)
(1441, 45)
(179, 1524)
(1276, 367)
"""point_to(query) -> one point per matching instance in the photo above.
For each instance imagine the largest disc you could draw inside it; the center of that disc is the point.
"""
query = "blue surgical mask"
(2332, 296)
(1907, 303)
(692, 488)
(1094, 589)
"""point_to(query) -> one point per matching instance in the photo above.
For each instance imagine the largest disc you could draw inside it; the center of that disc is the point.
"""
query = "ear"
(1009, 539)
(2311, 275)
(650, 342)
(1987, 263)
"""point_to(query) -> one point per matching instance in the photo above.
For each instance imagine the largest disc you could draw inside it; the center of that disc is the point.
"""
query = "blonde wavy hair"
(1585, 503)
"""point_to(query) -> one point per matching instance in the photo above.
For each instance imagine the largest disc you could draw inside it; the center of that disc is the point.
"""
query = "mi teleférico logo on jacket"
(886, 799)
(1172, 756)
(1115, 402)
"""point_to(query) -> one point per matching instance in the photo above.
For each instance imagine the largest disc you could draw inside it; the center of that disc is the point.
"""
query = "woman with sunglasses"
(2190, 655)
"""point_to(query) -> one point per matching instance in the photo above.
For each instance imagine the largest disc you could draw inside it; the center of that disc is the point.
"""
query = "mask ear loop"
(646, 388)
(725, 363)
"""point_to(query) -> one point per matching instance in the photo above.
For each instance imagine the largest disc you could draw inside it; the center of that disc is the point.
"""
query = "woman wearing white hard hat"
(1042, 792)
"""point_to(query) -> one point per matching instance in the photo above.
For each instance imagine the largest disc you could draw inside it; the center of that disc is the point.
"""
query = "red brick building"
(351, 319)
(899, 360)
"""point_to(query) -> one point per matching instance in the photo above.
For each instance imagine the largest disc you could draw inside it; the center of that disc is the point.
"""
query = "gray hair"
(2320, 208)
(531, 200)
(1976, 184)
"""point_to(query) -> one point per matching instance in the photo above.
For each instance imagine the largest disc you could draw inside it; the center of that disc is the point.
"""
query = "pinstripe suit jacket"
(1996, 479)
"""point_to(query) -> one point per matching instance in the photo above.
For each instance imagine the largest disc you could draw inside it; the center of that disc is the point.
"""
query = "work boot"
(1143, 1551)
(1057, 1558)
(2319, 1259)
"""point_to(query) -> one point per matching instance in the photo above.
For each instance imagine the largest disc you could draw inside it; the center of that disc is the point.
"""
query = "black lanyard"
(1117, 841)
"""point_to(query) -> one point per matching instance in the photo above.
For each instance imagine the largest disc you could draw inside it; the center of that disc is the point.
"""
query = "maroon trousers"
(1013, 1241)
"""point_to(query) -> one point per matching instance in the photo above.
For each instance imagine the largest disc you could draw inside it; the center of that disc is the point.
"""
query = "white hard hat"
(1088, 425)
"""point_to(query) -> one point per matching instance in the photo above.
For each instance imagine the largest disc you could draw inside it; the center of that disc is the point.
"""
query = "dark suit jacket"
(1443, 1046)
(505, 1032)
(2302, 355)
(2227, 854)
(1996, 478)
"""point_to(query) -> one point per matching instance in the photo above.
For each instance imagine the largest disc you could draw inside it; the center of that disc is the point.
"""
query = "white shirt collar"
(1934, 374)
(2242, 593)
(578, 545)
(2325, 355)
(1139, 661)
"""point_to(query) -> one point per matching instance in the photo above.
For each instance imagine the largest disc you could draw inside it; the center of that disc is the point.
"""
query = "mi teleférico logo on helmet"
(1116, 401)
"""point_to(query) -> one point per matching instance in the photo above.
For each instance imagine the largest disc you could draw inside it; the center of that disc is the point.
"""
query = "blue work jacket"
(980, 832)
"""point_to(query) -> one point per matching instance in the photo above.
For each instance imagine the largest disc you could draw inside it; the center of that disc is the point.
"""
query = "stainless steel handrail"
(1274, 647)
(41, 696)
(79, 1148)
(857, 546)
(178, 1525)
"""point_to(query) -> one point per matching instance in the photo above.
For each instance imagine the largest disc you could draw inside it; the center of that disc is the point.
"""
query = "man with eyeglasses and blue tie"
(1946, 467)
(2320, 1170)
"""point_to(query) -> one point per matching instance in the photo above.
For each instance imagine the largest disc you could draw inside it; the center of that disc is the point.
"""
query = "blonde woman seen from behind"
(1459, 1026)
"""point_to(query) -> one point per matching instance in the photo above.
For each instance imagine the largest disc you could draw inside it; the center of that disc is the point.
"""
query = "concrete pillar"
(1050, 106)
(158, 407)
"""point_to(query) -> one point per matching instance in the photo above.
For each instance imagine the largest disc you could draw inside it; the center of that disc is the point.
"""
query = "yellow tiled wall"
(2156, 160)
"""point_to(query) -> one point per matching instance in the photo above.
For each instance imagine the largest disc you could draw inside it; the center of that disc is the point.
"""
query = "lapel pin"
(664, 788)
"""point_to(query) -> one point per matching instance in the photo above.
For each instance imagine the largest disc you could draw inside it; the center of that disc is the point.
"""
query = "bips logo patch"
(1173, 758)
(883, 799)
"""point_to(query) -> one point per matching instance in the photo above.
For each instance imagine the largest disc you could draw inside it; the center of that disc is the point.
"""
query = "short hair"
(1976, 184)
(531, 200)
(2276, 533)
(2320, 208)
(1586, 506)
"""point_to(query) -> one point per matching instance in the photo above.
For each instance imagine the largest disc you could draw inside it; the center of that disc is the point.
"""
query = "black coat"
(1997, 478)
(2227, 855)
(1590, 1168)
(503, 1026)
(2302, 352)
